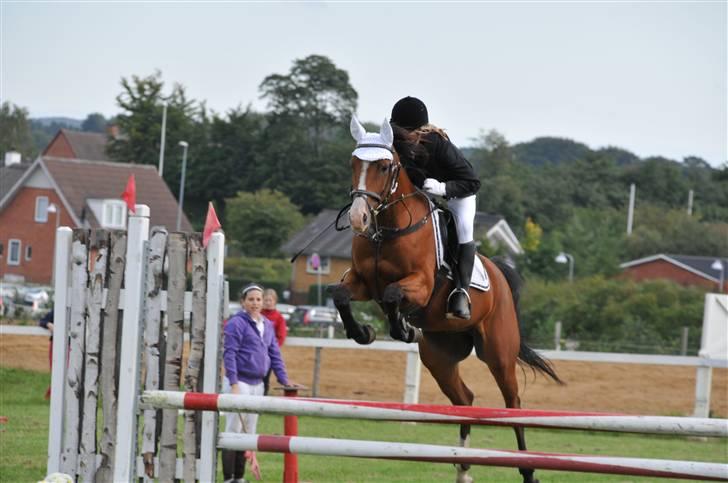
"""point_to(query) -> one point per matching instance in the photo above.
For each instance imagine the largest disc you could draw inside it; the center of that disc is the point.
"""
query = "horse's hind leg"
(505, 375)
(441, 353)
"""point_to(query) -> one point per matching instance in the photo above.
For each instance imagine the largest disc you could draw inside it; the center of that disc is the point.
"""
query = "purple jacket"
(247, 357)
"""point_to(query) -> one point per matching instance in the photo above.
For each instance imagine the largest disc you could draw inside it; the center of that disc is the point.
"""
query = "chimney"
(112, 130)
(12, 157)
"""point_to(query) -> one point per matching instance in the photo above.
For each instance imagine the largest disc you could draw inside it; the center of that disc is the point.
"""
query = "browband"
(383, 146)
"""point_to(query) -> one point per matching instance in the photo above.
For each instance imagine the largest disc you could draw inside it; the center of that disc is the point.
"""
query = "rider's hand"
(434, 187)
(235, 389)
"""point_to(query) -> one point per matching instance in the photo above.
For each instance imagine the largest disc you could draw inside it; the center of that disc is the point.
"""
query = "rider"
(450, 175)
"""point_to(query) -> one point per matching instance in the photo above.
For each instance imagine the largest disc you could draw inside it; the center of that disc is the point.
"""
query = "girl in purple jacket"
(250, 351)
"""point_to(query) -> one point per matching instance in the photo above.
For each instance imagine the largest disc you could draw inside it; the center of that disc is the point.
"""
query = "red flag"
(212, 224)
(129, 194)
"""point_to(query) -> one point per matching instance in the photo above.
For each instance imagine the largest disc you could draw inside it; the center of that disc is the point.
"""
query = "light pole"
(182, 183)
(164, 132)
(718, 265)
(52, 208)
(564, 257)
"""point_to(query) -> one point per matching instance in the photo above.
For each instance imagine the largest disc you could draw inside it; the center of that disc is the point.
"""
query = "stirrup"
(450, 314)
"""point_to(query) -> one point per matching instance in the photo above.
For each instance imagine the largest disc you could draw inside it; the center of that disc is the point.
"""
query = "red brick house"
(84, 193)
(78, 145)
(682, 269)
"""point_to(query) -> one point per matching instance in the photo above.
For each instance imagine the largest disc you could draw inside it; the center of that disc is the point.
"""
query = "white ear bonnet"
(372, 146)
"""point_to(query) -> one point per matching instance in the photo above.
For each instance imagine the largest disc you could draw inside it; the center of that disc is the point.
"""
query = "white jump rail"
(459, 455)
(429, 413)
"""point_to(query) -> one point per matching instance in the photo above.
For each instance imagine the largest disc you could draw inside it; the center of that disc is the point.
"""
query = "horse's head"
(374, 171)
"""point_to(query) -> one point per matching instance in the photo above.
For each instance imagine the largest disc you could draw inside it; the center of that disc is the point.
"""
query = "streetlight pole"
(164, 133)
(182, 184)
(718, 265)
(564, 257)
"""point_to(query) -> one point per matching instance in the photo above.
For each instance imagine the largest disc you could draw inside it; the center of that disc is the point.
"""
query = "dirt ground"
(379, 375)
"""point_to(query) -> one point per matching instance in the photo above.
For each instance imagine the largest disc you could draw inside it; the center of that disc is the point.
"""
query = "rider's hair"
(428, 128)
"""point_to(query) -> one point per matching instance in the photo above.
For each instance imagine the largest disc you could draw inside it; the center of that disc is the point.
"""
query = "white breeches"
(463, 209)
(243, 422)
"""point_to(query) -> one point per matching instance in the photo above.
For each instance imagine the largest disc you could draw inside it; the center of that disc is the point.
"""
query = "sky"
(649, 77)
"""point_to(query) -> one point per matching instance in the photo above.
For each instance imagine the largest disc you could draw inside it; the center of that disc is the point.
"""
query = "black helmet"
(410, 113)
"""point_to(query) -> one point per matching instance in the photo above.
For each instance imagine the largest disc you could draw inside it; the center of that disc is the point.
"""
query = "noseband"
(389, 187)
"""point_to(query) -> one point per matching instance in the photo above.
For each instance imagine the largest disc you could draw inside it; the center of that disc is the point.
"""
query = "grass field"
(24, 438)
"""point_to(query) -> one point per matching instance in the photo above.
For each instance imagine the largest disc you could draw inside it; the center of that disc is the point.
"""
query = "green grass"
(24, 439)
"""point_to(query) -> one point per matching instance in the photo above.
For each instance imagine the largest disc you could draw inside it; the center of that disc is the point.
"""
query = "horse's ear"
(357, 130)
(386, 132)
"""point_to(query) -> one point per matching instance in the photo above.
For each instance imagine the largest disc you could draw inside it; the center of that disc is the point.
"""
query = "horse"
(394, 263)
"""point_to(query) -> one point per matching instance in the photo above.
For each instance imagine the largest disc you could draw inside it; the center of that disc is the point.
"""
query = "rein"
(379, 234)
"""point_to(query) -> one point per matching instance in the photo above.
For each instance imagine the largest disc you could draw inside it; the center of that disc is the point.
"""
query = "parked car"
(315, 315)
(286, 310)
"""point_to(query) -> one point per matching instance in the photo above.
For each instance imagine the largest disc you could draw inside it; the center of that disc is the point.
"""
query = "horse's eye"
(383, 168)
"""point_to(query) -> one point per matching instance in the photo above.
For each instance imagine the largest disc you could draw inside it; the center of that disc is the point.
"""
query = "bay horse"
(394, 263)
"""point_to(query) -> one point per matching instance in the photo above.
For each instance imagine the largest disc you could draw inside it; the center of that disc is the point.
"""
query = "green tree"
(305, 146)
(94, 122)
(259, 223)
(15, 132)
(140, 123)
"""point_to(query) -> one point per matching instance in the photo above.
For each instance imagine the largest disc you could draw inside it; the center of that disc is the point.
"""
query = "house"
(78, 145)
(682, 269)
(11, 171)
(58, 191)
(334, 249)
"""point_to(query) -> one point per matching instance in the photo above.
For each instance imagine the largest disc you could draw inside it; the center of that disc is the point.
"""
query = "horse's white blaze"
(358, 214)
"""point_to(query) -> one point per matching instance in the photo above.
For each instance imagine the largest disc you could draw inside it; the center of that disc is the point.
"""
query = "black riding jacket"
(444, 162)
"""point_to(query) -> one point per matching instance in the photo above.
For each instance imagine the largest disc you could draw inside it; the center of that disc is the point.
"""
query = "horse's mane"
(412, 153)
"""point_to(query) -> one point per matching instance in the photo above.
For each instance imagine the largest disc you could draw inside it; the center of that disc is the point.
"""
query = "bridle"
(385, 200)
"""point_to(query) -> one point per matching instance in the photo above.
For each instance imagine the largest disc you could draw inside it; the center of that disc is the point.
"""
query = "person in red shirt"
(270, 299)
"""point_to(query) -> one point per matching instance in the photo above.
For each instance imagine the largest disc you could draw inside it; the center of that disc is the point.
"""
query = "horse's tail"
(526, 355)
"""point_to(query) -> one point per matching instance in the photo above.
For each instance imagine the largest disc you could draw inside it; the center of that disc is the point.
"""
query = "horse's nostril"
(364, 218)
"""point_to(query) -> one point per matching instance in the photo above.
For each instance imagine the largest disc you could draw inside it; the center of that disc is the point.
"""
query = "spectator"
(47, 323)
(251, 350)
(270, 298)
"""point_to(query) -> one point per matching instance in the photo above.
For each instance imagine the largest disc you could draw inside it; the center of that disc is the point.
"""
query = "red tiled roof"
(87, 145)
(80, 180)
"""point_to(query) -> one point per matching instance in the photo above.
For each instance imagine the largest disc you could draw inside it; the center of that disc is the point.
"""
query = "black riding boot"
(458, 303)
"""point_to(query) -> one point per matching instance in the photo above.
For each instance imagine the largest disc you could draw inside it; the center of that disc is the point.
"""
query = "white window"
(41, 209)
(324, 265)
(28, 252)
(113, 214)
(13, 252)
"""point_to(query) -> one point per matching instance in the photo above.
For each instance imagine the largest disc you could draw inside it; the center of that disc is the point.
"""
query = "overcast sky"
(648, 77)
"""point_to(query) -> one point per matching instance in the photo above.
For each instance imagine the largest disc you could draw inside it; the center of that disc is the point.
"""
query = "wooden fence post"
(126, 430)
(62, 260)
(211, 378)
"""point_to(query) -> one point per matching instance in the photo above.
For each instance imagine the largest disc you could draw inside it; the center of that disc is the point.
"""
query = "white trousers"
(243, 422)
(463, 209)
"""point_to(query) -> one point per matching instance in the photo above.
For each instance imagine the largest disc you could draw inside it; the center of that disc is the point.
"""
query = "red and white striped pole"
(459, 455)
(290, 428)
(381, 411)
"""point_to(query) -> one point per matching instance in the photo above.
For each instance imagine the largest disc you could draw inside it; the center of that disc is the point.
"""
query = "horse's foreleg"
(352, 289)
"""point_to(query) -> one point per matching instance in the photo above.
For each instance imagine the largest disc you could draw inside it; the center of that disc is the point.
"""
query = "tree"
(261, 222)
(307, 133)
(15, 132)
(140, 124)
(94, 122)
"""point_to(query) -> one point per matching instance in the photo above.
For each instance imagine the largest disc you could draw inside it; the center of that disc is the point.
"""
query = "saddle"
(447, 246)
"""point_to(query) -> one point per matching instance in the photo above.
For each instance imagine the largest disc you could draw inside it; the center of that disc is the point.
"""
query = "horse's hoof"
(367, 336)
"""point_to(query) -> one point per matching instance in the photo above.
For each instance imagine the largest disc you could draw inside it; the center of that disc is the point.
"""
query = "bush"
(269, 272)
(614, 314)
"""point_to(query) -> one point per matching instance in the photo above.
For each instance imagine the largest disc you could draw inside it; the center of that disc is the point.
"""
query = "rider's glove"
(434, 187)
